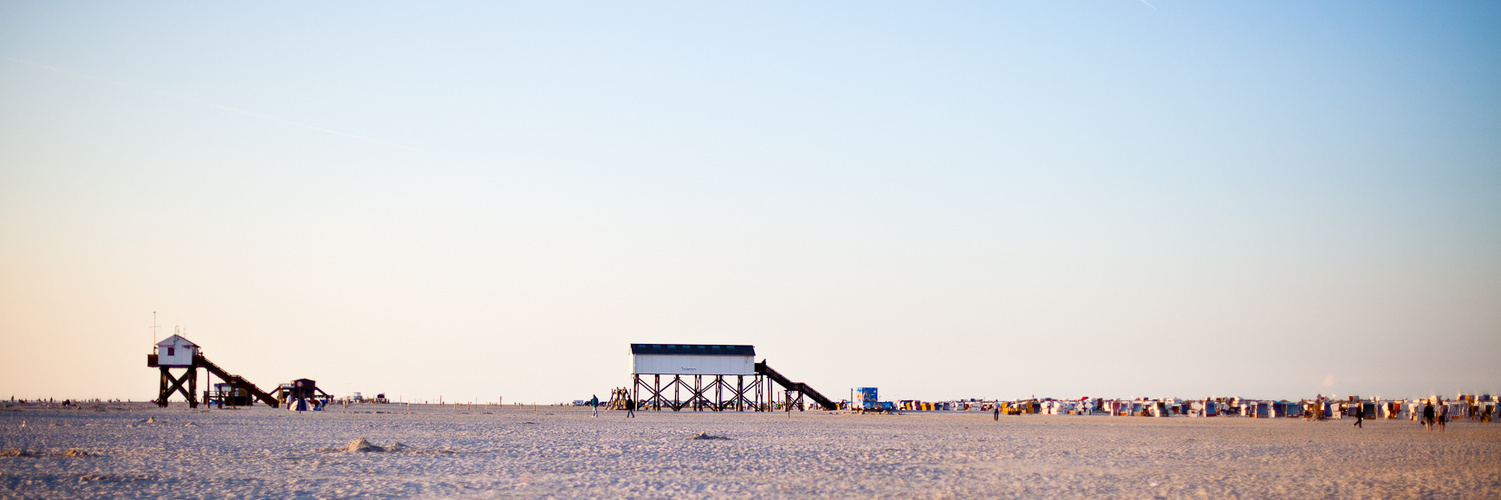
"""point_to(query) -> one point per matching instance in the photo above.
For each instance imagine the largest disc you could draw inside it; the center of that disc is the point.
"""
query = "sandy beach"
(140, 451)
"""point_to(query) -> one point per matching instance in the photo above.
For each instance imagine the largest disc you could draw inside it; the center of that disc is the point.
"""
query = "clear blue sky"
(973, 199)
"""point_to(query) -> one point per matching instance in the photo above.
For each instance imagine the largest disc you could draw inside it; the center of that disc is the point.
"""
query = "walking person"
(630, 408)
(1443, 414)
(997, 414)
(1428, 415)
(1359, 416)
(594, 401)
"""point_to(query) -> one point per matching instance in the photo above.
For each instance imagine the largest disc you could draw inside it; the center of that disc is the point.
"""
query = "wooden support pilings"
(703, 392)
(173, 384)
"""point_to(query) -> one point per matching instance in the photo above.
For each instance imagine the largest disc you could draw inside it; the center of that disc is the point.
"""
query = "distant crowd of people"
(65, 402)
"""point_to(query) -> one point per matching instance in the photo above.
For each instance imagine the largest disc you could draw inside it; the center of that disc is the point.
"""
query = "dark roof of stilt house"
(694, 349)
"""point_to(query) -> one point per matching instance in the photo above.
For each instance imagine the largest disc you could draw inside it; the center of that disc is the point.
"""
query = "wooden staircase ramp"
(799, 387)
(237, 380)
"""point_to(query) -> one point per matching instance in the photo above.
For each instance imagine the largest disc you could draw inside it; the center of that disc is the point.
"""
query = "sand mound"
(705, 435)
(361, 446)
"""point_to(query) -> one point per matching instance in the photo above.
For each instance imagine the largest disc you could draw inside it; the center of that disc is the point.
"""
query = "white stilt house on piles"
(688, 366)
(176, 352)
(709, 373)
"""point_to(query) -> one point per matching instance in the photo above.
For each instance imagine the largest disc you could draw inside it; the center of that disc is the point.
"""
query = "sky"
(490, 201)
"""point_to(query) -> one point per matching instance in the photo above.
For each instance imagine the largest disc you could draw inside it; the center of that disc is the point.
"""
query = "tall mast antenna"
(153, 329)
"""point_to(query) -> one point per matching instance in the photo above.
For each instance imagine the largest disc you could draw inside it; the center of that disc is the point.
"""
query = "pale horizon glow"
(969, 200)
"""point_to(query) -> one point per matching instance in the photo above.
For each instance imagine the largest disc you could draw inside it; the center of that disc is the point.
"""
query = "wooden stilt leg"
(161, 395)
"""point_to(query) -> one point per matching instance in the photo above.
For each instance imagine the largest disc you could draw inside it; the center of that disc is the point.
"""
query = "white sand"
(517, 452)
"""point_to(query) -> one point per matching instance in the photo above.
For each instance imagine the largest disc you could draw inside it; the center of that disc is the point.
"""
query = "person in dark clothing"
(997, 415)
(1428, 416)
(1359, 416)
(630, 408)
